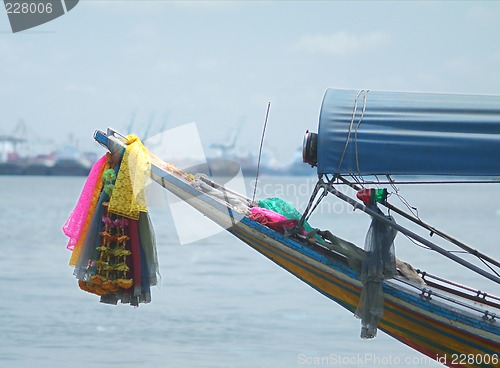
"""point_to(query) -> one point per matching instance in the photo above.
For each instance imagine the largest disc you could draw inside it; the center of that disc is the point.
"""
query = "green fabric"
(284, 208)
(354, 254)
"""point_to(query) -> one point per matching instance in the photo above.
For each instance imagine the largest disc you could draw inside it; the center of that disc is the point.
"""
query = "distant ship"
(226, 162)
(67, 161)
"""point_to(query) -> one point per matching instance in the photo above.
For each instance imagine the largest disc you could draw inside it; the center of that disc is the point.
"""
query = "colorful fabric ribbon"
(111, 235)
(78, 219)
(128, 197)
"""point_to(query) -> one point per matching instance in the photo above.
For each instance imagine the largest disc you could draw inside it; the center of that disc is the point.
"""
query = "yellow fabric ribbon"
(128, 198)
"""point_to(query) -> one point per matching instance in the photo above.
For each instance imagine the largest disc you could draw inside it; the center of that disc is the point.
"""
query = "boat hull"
(449, 335)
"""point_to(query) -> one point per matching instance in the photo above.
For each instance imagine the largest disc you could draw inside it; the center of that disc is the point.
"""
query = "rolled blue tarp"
(392, 133)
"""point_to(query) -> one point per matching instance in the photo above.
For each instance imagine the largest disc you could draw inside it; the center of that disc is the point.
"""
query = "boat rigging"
(361, 134)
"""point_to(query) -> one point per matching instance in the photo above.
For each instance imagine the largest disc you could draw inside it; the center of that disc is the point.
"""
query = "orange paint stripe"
(424, 339)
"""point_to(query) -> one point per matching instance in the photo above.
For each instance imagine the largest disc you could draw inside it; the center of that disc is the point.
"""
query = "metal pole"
(438, 232)
(411, 234)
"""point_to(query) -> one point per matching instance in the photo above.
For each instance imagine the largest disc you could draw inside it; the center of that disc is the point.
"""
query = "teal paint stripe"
(406, 314)
(318, 257)
(291, 260)
(433, 325)
(417, 337)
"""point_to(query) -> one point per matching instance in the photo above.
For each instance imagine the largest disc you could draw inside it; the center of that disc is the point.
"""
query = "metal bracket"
(111, 140)
(426, 294)
(490, 317)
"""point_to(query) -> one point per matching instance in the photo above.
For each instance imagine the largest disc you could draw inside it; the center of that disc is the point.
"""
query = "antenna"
(260, 150)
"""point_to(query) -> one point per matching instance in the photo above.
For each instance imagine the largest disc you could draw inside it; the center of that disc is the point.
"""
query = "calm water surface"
(220, 304)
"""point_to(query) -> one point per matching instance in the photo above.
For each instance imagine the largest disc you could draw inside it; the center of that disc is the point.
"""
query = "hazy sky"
(219, 63)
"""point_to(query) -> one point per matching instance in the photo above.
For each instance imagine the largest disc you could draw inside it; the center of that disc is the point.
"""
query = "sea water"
(220, 303)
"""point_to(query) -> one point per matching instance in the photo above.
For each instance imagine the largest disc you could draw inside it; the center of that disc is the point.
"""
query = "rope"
(355, 109)
(351, 124)
(412, 209)
(356, 132)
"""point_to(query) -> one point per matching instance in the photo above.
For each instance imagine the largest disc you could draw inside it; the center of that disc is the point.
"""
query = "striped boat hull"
(456, 337)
